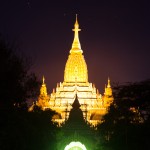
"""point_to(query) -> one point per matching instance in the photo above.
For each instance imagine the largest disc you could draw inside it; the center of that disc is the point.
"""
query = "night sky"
(115, 37)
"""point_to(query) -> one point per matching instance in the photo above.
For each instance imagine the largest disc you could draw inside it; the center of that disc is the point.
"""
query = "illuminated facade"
(93, 104)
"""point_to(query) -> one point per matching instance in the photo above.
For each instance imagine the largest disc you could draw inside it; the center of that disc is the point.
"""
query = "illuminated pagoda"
(93, 104)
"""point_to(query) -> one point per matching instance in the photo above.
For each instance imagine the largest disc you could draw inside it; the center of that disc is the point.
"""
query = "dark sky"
(115, 36)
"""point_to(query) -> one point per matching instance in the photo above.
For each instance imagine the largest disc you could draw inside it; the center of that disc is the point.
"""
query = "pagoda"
(92, 103)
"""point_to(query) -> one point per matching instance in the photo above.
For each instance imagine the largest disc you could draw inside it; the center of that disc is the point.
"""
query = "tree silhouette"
(20, 129)
(126, 125)
(27, 130)
(17, 84)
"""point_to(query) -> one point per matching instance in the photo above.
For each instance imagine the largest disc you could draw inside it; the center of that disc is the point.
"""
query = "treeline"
(127, 124)
(17, 83)
(20, 129)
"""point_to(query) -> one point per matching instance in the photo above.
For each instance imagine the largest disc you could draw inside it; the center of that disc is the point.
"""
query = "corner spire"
(76, 47)
(43, 80)
(43, 90)
(108, 85)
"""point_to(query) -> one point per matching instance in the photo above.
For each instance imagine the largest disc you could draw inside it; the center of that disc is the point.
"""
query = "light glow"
(75, 146)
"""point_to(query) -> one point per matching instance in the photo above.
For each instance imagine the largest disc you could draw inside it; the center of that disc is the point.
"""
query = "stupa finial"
(108, 85)
(76, 18)
(76, 47)
(43, 79)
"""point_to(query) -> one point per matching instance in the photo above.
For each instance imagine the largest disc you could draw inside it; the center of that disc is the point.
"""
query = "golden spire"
(76, 47)
(108, 85)
(76, 68)
(43, 90)
(43, 80)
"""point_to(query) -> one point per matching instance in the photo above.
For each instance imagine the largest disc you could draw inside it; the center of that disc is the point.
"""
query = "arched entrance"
(75, 146)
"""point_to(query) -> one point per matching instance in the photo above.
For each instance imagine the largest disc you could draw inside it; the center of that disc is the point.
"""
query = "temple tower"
(43, 100)
(76, 84)
(76, 68)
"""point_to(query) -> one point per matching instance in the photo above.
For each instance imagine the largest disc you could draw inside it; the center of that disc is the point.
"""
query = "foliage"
(76, 129)
(27, 130)
(21, 129)
(126, 125)
(17, 84)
